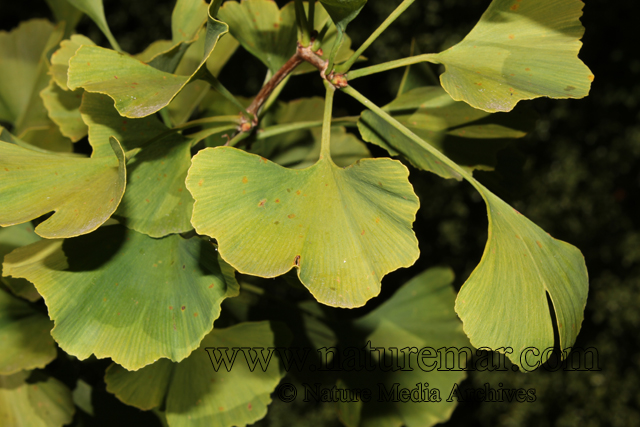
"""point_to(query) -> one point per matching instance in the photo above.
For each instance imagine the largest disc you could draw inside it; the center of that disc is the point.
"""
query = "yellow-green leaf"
(10, 239)
(197, 395)
(95, 10)
(82, 193)
(120, 294)
(64, 110)
(137, 88)
(31, 399)
(344, 229)
(60, 58)
(520, 49)
(25, 335)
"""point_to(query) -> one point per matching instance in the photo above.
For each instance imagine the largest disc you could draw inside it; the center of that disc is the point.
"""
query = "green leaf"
(344, 229)
(64, 110)
(520, 266)
(60, 58)
(24, 67)
(270, 34)
(520, 49)
(161, 294)
(95, 10)
(137, 88)
(25, 335)
(197, 395)
(10, 239)
(31, 399)
(156, 202)
(82, 192)
(343, 11)
(187, 18)
(419, 315)
(469, 137)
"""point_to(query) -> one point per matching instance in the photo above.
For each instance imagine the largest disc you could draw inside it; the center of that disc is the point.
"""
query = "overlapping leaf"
(196, 394)
(521, 264)
(419, 315)
(468, 136)
(95, 10)
(344, 229)
(64, 110)
(138, 89)
(25, 335)
(156, 202)
(64, 11)
(24, 66)
(10, 239)
(270, 34)
(31, 399)
(343, 11)
(120, 294)
(60, 58)
(83, 193)
(520, 49)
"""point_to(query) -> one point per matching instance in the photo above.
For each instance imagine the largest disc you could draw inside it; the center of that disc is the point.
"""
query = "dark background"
(576, 176)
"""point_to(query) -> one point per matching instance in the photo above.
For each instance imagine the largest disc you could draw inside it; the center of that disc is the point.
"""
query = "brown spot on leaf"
(183, 307)
(262, 202)
(527, 69)
(539, 244)
(244, 180)
(200, 183)
(569, 88)
(298, 192)
(591, 77)
(362, 234)
(170, 307)
(277, 200)
(291, 216)
(515, 7)
(115, 77)
(296, 261)
(211, 285)
(195, 314)
(511, 36)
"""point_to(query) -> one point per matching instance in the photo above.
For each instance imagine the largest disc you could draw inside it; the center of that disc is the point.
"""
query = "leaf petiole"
(391, 65)
(325, 149)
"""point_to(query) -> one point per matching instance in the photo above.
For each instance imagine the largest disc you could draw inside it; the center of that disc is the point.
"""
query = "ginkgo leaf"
(156, 202)
(187, 18)
(270, 34)
(521, 264)
(135, 299)
(23, 67)
(31, 399)
(419, 315)
(196, 394)
(520, 49)
(469, 137)
(64, 11)
(138, 89)
(95, 10)
(25, 335)
(343, 11)
(64, 110)
(344, 229)
(10, 239)
(60, 58)
(82, 193)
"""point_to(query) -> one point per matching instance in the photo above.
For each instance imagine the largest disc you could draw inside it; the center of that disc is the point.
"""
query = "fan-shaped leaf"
(520, 49)
(95, 10)
(60, 58)
(198, 395)
(156, 202)
(30, 399)
(64, 110)
(343, 11)
(135, 299)
(419, 315)
(25, 335)
(344, 229)
(137, 88)
(82, 192)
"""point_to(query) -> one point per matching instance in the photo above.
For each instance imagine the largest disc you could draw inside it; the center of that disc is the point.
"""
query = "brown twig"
(303, 54)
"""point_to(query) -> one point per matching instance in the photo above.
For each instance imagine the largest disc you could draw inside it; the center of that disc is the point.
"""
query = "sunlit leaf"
(156, 202)
(198, 395)
(10, 239)
(25, 335)
(520, 267)
(470, 137)
(344, 229)
(270, 34)
(419, 315)
(137, 88)
(31, 399)
(520, 49)
(64, 110)
(95, 10)
(60, 58)
(135, 299)
(83, 193)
